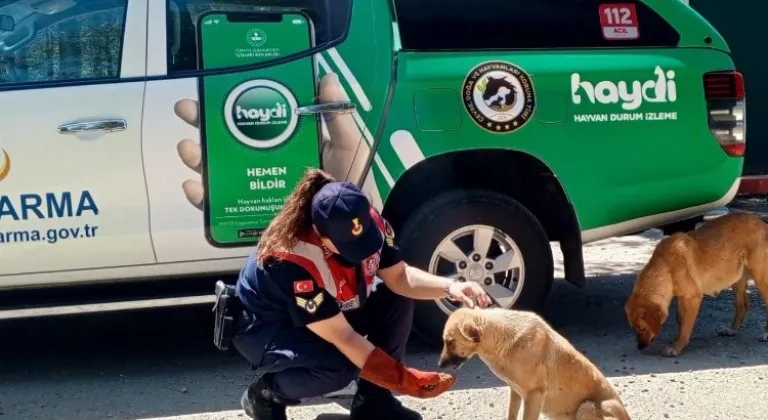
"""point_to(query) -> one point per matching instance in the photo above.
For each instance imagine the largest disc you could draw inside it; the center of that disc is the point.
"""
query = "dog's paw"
(670, 352)
(764, 338)
(725, 331)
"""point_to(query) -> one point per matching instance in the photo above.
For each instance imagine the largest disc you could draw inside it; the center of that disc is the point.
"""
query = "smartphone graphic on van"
(255, 146)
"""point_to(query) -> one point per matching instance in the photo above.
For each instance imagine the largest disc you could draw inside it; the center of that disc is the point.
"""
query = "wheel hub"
(476, 273)
(484, 255)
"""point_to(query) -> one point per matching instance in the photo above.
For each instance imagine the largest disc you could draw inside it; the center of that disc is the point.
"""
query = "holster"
(226, 306)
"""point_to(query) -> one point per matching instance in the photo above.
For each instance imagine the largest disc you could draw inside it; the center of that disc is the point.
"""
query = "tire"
(686, 225)
(443, 215)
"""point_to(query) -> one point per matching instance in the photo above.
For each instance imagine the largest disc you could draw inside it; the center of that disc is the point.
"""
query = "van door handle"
(331, 108)
(108, 126)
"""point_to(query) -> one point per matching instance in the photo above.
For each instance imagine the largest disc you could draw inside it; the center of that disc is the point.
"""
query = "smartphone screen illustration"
(255, 146)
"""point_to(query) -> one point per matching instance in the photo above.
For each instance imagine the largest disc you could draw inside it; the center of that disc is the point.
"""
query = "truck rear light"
(726, 105)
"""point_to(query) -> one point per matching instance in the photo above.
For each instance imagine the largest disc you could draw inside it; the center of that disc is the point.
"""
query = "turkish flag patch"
(303, 286)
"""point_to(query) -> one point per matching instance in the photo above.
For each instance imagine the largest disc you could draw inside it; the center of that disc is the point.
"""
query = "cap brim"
(363, 247)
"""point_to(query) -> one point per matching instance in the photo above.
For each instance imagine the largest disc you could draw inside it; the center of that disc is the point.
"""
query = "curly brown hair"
(295, 218)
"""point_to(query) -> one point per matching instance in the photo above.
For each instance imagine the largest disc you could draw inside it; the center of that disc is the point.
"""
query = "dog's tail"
(606, 410)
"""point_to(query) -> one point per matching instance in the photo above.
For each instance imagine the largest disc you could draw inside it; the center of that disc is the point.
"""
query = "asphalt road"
(160, 364)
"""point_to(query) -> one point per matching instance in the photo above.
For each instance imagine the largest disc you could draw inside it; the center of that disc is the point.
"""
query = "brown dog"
(541, 367)
(721, 253)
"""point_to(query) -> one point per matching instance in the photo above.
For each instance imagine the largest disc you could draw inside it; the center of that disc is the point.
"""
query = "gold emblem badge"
(357, 228)
(389, 234)
(310, 305)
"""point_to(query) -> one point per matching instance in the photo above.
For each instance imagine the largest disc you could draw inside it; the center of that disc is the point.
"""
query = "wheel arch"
(516, 174)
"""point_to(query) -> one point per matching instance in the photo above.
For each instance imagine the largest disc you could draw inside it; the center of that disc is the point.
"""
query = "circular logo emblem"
(261, 113)
(371, 265)
(499, 96)
(256, 37)
(311, 306)
(5, 164)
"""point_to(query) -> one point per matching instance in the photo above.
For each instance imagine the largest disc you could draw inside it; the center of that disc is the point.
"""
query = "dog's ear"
(654, 317)
(471, 330)
(629, 306)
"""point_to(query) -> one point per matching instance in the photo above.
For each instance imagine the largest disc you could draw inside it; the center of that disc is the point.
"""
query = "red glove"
(383, 370)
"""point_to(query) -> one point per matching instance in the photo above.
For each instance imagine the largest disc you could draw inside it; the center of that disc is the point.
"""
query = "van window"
(57, 41)
(520, 24)
(330, 23)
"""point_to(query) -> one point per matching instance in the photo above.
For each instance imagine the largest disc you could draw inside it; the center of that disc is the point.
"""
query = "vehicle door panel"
(74, 196)
(178, 223)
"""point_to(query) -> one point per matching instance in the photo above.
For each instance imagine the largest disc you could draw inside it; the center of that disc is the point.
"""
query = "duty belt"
(226, 307)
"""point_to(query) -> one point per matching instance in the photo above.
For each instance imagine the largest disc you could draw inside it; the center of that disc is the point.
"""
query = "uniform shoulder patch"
(310, 305)
(303, 286)
(389, 234)
(371, 264)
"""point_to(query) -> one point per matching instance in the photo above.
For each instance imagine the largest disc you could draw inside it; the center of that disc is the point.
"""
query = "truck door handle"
(333, 107)
(108, 126)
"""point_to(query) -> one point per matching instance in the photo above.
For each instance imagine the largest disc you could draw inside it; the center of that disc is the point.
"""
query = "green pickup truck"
(483, 130)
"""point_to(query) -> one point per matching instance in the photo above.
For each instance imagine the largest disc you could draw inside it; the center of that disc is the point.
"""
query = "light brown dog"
(724, 252)
(541, 367)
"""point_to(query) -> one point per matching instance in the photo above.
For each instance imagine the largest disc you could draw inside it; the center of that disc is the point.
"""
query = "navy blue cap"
(342, 213)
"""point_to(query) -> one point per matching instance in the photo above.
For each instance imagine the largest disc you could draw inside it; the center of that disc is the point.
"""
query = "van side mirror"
(7, 23)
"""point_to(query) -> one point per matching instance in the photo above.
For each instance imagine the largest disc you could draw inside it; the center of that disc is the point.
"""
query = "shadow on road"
(158, 363)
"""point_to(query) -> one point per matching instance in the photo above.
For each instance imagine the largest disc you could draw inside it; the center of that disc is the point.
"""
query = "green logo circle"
(256, 37)
(261, 113)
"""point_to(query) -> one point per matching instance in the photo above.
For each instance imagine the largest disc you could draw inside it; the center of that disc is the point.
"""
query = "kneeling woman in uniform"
(310, 300)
